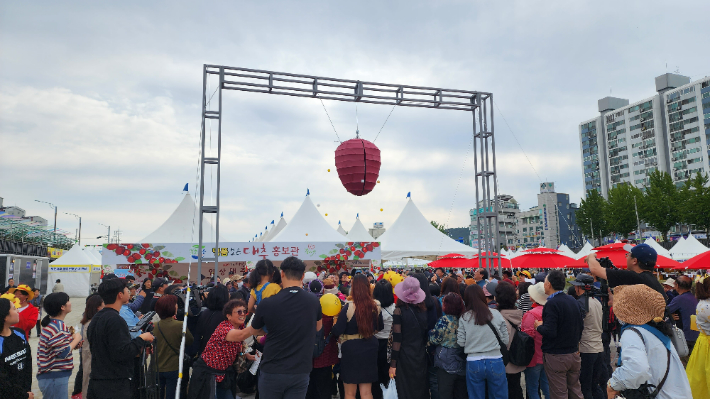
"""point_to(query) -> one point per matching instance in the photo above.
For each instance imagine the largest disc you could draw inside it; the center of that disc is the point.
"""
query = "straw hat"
(25, 288)
(409, 291)
(638, 304)
(11, 298)
(537, 293)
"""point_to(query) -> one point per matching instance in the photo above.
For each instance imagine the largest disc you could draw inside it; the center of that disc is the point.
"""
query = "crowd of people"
(428, 334)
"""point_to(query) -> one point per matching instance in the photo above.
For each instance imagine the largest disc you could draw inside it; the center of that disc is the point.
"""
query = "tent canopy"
(413, 235)
(178, 228)
(659, 249)
(308, 225)
(276, 230)
(76, 283)
(687, 248)
(586, 250)
(566, 251)
(359, 233)
(341, 230)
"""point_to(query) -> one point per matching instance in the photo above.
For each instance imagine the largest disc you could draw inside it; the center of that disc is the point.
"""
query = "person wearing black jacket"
(561, 329)
(15, 355)
(112, 349)
(209, 318)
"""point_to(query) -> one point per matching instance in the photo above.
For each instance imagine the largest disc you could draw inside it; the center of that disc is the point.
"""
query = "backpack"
(259, 292)
(322, 341)
(522, 347)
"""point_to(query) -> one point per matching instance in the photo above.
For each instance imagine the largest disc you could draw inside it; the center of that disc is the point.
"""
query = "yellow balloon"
(378, 181)
(330, 305)
(329, 171)
(380, 209)
(393, 278)
(326, 214)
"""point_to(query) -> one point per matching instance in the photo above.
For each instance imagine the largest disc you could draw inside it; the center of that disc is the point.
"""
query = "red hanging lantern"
(358, 164)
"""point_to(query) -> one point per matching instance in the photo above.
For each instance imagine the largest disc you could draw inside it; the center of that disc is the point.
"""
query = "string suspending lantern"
(358, 164)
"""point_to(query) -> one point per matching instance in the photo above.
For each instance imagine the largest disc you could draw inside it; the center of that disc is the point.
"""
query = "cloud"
(100, 102)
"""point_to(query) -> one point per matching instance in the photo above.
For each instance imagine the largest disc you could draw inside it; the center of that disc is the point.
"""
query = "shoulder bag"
(186, 360)
(503, 347)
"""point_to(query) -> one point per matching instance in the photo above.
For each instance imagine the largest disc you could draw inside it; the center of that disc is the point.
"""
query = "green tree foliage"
(695, 202)
(439, 227)
(591, 215)
(620, 212)
(661, 205)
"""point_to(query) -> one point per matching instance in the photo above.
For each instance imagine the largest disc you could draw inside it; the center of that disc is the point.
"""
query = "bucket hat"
(537, 293)
(409, 291)
(638, 304)
(25, 288)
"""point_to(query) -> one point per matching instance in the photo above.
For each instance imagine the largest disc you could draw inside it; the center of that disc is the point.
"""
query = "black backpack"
(522, 348)
(321, 342)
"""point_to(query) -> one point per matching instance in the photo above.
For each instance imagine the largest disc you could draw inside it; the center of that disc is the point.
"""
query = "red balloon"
(358, 164)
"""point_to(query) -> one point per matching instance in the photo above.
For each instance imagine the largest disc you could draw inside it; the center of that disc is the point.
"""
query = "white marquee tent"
(659, 249)
(586, 250)
(308, 225)
(341, 230)
(413, 235)
(178, 228)
(566, 251)
(687, 248)
(74, 269)
(276, 230)
(359, 233)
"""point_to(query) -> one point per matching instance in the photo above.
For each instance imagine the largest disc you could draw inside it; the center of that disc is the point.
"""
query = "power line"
(331, 122)
(383, 125)
(517, 141)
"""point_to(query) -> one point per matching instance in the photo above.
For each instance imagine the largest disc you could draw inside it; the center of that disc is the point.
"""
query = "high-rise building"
(551, 223)
(508, 209)
(626, 142)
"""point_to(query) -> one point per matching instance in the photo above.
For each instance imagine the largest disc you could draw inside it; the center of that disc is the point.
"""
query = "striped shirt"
(54, 352)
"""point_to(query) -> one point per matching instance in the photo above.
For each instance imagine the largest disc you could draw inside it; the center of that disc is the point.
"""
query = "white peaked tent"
(359, 233)
(269, 232)
(413, 235)
(308, 225)
(179, 226)
(678, 247)
(74, 270)
(566, 251)
(687, 249)
(341, 230)
(276, 230)
(586, 250)
(504, 252)
(659, 249)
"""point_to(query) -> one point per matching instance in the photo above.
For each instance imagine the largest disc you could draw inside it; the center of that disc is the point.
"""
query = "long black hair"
(53, 306)
(263, 267)
(429, 300)
(383, 293)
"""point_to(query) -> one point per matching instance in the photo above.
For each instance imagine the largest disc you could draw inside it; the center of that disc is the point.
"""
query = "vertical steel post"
(219, 168)
(495, 188)
(202, 173)
(479, 235)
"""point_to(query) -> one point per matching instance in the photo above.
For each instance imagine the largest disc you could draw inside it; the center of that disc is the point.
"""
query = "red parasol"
(617, 255)
(697, 262)
(452, 261)
(541, 258)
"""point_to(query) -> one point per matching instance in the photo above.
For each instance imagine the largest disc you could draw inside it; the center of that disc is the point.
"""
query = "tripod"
(148, 376)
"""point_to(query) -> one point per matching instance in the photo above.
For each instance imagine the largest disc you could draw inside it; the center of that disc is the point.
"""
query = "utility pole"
(638, 223)
(79, 217)
(108, 236)
(54, 233)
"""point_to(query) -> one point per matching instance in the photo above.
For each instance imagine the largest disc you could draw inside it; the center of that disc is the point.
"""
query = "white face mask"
(239, 285)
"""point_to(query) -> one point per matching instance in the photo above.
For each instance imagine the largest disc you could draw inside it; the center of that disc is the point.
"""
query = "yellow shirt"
(270, 290)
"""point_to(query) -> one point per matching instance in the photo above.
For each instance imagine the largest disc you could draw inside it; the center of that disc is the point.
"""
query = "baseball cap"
(159, 282)
(582, 280)
(643, 252)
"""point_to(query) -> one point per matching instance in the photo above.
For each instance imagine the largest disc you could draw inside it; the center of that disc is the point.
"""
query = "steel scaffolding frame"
(480, 104)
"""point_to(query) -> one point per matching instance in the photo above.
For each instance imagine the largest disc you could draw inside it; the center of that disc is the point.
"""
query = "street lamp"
(108, 236)
(78, 217)
(55, 214)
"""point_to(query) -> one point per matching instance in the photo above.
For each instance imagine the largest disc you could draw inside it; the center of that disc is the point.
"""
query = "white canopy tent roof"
(413, 235)
(566, 251)
(359, 233)
(178, 228)
(687, 248)
(659, 249)
(405, 262)
(586, 250)
(308, 225)
(276, 230)
(76, 283)
(341, 230)
(269, 232)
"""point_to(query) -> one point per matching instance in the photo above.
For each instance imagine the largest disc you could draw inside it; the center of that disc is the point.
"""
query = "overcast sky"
(100, 101)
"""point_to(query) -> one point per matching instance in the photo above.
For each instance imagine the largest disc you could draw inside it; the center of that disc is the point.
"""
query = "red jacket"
(28, 319)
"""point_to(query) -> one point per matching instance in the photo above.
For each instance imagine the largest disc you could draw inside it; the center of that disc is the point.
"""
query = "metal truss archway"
(480, 104)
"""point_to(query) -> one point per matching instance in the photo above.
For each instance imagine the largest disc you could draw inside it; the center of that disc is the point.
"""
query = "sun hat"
(410, 291)
(25, 288)
(308, 277)
(670, 282)
(12, 298)
(638, 304)
(537, 293)
(225, 280)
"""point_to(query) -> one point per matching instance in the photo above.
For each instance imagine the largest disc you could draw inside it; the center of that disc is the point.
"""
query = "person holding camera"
(592, 376)
(640, 262)
(112, 349)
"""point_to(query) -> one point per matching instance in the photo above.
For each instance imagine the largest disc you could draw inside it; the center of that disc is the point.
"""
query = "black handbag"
(186, 360)
(503, 347)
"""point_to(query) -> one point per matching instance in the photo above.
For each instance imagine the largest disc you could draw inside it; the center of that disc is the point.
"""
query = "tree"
(660, 207)
(695, 202)
(440, 227)
(591, 215)
(620, 212)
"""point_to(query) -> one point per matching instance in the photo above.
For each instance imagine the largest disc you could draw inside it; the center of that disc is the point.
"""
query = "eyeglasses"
(242, 312)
